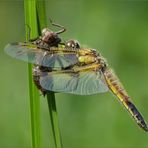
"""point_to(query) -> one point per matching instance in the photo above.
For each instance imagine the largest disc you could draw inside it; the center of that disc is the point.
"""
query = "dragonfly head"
(50, 37)
(72, 44)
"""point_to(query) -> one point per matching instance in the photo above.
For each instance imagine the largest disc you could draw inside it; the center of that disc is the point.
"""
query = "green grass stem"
(32, 22)
(35, 18)
(55, 134)
(54, 120)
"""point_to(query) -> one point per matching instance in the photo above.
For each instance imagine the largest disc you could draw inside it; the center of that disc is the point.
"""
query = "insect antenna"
(63, 29)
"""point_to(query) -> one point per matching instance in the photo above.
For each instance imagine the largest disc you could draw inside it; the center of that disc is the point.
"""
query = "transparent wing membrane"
(32, 54)
(81, 83)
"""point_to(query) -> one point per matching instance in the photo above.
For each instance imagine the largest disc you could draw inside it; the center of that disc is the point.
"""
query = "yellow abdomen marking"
(86, 59)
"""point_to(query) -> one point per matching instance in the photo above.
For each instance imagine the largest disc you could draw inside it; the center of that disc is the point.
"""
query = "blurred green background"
(119, 30)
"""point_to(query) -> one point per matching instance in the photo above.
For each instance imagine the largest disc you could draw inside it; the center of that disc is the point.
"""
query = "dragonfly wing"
(59, 60)
(31, 53)
(81, 83)
(25, 53)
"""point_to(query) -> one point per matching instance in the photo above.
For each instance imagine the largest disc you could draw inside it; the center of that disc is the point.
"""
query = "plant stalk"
(31, 21)
(54, 119)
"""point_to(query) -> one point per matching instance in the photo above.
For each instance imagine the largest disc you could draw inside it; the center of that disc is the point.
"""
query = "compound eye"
(77, 45)
(68, 44)
(72, 44)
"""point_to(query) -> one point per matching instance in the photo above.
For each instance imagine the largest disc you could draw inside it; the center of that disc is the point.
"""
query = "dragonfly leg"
(63, 29)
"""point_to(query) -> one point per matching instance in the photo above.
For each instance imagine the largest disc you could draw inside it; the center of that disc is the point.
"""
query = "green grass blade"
(50, 96)
(41, 13)
(54, 120)
(36, 19)
(31, 21)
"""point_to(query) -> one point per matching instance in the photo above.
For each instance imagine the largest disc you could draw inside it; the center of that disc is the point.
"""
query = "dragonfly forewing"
(51, 57)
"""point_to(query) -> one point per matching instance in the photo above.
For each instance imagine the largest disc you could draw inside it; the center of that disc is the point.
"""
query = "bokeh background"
(119, 30)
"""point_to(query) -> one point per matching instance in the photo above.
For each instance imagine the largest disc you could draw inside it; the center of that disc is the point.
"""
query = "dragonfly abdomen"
(87, 59)
(117, 88)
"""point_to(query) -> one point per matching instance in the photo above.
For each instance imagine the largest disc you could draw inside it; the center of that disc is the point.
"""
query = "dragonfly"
(66, 67)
